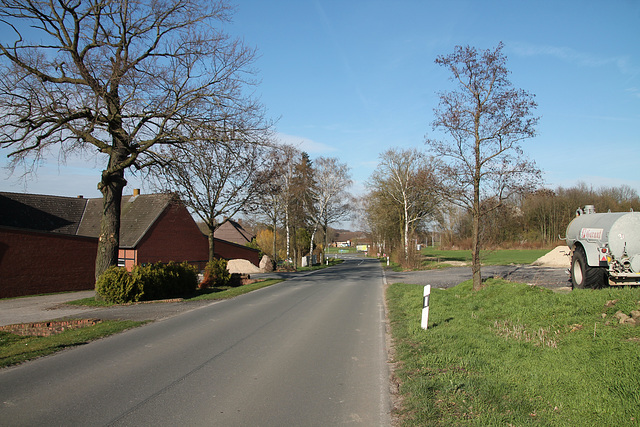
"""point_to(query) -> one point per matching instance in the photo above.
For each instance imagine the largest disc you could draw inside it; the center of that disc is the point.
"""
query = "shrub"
(184, 278)
(117, 286)
(216, 274)
(161, 281)
(148, 282)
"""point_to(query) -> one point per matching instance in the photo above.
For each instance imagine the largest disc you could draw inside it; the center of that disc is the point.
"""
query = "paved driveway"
(49, 307)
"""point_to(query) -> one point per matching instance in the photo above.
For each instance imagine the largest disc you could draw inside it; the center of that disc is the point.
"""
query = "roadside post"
(425, 306)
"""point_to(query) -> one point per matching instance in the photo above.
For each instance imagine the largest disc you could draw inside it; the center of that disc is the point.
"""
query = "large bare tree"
(118, 77)
(484, 120)
(216, 181)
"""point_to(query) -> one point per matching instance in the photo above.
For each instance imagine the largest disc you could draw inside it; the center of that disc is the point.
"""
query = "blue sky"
(352, 78)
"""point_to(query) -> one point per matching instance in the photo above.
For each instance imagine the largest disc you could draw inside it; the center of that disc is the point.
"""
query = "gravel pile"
(242, 266)
(558, 257)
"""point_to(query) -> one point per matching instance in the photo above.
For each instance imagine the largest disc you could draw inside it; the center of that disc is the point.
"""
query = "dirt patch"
(560, 256)
(45, 329)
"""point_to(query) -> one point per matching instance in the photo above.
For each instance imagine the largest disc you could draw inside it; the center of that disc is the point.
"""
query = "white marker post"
(425, 306)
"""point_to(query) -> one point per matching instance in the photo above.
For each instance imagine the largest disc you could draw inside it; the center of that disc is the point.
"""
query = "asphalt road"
(309, 351)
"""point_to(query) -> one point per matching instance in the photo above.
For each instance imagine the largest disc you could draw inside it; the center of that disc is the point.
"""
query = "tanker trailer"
(605, 248)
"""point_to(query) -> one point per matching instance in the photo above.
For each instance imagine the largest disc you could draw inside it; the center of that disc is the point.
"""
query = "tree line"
(304, 198)
(405, 206)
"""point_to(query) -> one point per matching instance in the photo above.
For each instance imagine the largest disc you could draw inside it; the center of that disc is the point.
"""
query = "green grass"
(512, 354)
(488, 257)
(16, 349)
(216, 293)
(91, 302)
(227, 292)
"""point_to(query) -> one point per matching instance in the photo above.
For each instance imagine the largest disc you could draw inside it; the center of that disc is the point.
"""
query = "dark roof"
(231, 231)
(138, 214)
(40, 212)
(81, 217)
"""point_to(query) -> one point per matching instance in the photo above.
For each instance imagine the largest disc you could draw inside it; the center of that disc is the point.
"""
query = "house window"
(127, 258)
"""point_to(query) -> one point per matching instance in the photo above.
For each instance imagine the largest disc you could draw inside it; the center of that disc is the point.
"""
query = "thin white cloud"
(623, 63)
(634, 91)
(305, 144)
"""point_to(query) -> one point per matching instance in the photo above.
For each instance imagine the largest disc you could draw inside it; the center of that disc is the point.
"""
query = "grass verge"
(215, 293)
(16, 349)
(512, 354)
(227, 292)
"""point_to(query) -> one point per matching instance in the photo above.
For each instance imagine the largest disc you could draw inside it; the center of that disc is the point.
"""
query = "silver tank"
(618, 231)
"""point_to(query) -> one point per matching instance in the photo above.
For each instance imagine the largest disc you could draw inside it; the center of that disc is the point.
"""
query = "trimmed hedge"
(147, 283)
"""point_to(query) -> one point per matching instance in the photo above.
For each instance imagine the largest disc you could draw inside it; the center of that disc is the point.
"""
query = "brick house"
(232, 231)
(49, 243)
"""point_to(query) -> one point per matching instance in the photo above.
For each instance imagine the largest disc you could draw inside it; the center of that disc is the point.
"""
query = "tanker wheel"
(583, 275)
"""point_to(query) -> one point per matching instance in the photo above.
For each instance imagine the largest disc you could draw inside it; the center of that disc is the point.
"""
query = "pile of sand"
(242, 266)
(558, 257)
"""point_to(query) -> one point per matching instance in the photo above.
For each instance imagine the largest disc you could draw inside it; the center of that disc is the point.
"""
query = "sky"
(353, 78)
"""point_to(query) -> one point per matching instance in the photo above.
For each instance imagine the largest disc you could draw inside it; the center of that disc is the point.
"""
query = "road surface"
(309, 351)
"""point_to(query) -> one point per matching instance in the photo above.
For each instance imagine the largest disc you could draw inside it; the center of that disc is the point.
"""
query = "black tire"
(583, 275)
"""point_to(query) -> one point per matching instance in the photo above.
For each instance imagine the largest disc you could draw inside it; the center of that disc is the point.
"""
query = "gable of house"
(174, 236)
(138, 213)
(232, 231)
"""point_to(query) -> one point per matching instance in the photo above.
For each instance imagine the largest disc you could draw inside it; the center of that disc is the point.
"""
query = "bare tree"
(329, 197)
(381, 217)
(405, 178)
(216, 181)
(272, 202)
(300, 204)
(122, 77)
(485, 120)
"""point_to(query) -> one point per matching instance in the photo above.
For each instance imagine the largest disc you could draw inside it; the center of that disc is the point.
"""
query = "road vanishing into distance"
(309, 351)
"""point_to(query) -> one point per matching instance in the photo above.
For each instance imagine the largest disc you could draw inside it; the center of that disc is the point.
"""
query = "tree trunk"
(475, 252)
(287, 226)
(325, 227)
(275, 236)
(313, 236)
(111, 187)
(212, 244)
(475, 233)
(406, 231)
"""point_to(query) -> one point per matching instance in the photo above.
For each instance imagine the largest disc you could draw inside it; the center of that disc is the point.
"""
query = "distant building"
(232, 231)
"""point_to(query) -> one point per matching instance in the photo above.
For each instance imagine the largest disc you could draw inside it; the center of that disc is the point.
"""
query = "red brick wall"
(229, 250)
(174, 237)
(33, 262)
